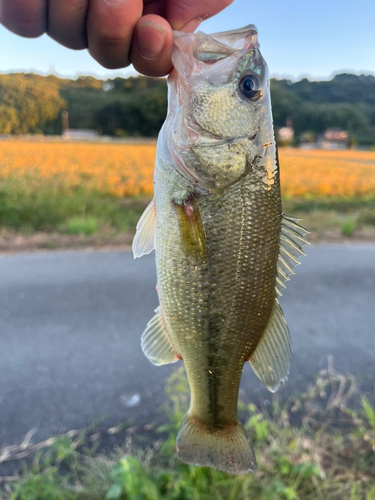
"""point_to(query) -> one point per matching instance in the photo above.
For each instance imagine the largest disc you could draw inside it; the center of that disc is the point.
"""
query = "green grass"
(52, 208)
(332, 218)
(318, 445)
(82, 225)
(77, 211)
(348, 227)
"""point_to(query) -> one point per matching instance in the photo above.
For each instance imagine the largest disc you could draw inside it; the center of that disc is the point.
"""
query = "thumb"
(186, 15)
(152, 46)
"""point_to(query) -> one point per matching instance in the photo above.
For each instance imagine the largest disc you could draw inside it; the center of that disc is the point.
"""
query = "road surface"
(70, 327)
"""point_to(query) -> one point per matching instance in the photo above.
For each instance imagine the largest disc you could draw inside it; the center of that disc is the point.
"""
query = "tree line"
(137, 106)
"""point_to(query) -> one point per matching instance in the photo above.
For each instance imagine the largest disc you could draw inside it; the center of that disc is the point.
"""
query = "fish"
(223, 247)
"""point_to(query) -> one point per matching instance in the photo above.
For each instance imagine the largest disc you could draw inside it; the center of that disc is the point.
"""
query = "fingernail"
(150, 39)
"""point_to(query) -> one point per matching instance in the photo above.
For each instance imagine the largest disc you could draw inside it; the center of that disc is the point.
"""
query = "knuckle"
(72, 42)
(76, 45)
(112, 41)
(115, 64)
(108, 61)
(150, 69)
(111, 51)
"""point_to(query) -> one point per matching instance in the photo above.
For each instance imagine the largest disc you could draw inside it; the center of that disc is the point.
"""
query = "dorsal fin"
(292, 239)
(144, 239)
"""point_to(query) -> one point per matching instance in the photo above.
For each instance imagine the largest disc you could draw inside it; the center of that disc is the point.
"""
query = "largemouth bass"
(223, 247)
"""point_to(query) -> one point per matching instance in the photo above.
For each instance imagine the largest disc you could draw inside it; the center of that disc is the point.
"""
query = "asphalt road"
(70, 327)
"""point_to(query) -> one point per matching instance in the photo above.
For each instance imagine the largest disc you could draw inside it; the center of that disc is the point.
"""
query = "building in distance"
(333, 138)
(285, 135)
(80, 134)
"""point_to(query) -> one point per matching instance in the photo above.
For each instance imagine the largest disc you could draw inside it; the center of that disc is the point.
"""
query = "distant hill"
(136, 106)
(347, 101)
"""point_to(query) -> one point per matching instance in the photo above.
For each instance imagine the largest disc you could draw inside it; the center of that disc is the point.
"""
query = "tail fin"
(227, 449)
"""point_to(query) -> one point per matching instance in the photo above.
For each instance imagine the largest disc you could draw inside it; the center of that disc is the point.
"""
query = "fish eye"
(249, 86)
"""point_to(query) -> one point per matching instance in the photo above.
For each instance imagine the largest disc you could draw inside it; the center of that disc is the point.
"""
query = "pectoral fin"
(144, 239)
(156, 343)
(271, 358)
(191, 228)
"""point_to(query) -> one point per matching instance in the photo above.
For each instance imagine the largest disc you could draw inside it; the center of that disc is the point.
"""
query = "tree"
(143, 116)
(27, 102)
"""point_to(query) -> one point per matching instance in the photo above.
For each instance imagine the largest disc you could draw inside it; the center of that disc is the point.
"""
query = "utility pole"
(65, 124)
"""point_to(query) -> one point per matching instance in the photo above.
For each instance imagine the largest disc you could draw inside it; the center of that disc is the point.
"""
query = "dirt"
(13, 242)
(363, 235)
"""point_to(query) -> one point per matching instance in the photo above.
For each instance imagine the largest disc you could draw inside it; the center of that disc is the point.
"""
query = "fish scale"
(223, 247)
(205, 307)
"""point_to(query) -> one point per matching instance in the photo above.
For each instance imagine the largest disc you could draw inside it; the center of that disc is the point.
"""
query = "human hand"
(116, 32)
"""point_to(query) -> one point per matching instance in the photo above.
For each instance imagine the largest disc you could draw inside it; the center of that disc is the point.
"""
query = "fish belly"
(216, 304)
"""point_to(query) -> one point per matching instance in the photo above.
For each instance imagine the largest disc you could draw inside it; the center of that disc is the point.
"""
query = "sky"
(298, 38)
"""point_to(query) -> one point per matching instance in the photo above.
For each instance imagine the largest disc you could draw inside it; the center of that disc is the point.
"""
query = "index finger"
(24, 17)
(110, 26)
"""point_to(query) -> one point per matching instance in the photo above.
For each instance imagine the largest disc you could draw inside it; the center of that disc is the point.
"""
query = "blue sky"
(298, 38)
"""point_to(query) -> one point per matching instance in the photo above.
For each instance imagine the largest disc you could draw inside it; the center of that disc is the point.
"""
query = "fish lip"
(244, 29)
(215, 140)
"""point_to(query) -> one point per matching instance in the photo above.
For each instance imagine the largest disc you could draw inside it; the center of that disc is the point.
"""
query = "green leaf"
(369, 411)
(114, 492)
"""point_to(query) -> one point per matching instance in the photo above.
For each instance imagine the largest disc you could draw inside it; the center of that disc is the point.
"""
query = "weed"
(80, 225)
(367, 217)
(348, 227)
(369, 412)
(131, 480)
(308, 462)
(49, 245)
(328, 452)
(42, 480)
(44, 484)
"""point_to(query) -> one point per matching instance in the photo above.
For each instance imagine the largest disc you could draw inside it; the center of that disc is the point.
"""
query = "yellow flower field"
(318, 173)
(123, 169)
(117, 169)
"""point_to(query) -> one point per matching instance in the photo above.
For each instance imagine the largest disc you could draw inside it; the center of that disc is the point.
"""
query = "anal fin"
(156, 343)
(271, 358)
(144, 239)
